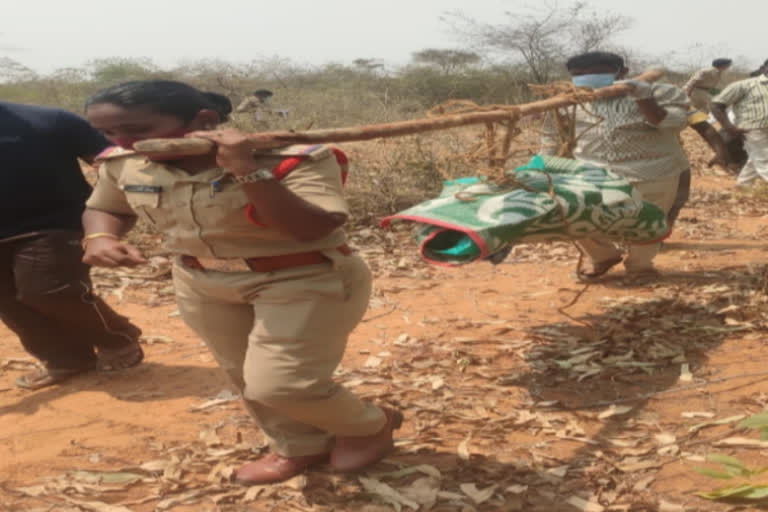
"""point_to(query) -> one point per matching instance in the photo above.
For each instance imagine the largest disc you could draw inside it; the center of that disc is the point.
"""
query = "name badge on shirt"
(144, 189)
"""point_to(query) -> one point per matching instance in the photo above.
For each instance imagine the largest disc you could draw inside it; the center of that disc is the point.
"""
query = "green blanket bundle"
(558, 199)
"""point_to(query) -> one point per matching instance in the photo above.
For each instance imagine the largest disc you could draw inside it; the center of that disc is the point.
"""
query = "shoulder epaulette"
(294, 156)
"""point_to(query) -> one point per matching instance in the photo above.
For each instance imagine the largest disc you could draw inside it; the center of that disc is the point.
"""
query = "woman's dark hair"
(721, 63)
(164, 97)
(595, 59)
(266, 93)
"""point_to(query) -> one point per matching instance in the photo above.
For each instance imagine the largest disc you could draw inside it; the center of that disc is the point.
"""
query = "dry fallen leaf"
(297, 483)
(643, 483)
(559, 471)
(437, 383)
(451, 496)
(630, 466)
(423, 491)
(228, 497)
(685, 373)
(156, 465)
(463, 449)
(96, 506)
(614, 410)
(665, 438)
(730, 419)
(478, 495)
(670, 450)
(33, 490)
(744, 442)
(210, 437)
(222, 398)
(584, 505)
(180, 499)
(387, 493)
(426, 469)
(697, 414)
(253, 492)
(106, 477)
(665, 506)
(221, 473)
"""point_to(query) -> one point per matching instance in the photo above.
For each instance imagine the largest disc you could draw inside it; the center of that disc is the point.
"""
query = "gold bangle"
(88, 238)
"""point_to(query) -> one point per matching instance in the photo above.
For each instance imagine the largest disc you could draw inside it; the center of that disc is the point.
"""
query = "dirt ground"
(522, 388)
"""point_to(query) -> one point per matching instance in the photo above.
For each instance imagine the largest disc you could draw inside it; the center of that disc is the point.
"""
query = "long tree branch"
(266, 140)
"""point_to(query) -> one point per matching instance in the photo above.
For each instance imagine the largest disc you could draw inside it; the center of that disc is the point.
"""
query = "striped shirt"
(612, 133)
(748, 100)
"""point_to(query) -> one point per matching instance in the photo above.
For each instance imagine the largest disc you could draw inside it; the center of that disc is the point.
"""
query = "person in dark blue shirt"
(45, 288)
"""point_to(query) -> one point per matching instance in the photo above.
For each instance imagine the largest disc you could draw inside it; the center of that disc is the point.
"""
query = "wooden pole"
(268, 140)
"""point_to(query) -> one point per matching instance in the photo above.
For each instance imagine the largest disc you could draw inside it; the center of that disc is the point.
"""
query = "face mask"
(595, 81)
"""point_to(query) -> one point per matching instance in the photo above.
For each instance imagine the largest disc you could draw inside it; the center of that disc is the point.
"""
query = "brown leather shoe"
(354, 453)
(275, 468)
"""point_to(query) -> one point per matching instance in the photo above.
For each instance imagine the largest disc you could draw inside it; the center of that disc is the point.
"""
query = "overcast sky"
(50, 34)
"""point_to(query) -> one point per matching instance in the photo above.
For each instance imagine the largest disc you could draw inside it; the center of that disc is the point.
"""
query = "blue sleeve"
(76, 135)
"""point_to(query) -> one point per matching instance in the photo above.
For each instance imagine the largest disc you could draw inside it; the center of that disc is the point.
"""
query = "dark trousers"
(46, 299)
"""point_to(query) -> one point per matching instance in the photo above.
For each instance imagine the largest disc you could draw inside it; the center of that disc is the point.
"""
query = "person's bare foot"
(121, 358)
(599, 269)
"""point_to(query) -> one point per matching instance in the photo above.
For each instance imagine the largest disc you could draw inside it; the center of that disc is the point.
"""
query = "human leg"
(661, 193)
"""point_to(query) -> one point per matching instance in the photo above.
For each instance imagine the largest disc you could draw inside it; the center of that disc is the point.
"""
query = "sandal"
(120, 359)
(43, 377)
(599, 269)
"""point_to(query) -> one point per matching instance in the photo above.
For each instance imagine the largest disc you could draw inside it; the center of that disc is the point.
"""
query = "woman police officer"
(262, 271)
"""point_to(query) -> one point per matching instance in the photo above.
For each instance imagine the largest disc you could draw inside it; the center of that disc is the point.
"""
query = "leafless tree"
(14, 71)
(541, 36)
(368, 65)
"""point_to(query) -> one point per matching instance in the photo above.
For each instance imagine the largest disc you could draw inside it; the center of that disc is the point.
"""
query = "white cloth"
(756, 146)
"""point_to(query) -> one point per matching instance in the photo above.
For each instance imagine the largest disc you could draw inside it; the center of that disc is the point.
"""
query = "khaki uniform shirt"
(203, 215)
(613, 134)
(706, 79)
(251, 104)
(748, 100)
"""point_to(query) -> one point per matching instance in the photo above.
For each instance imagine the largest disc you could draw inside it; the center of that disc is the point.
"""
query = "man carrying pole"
(748, 99)
(635, 137)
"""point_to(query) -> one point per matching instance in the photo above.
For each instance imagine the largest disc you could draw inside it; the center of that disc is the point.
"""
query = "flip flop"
(43, 377)
(599, 269)
(121, 358)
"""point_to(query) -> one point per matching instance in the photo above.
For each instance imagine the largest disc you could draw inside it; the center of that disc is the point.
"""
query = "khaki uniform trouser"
(701, 99)
(662, 193)
(280, 336)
